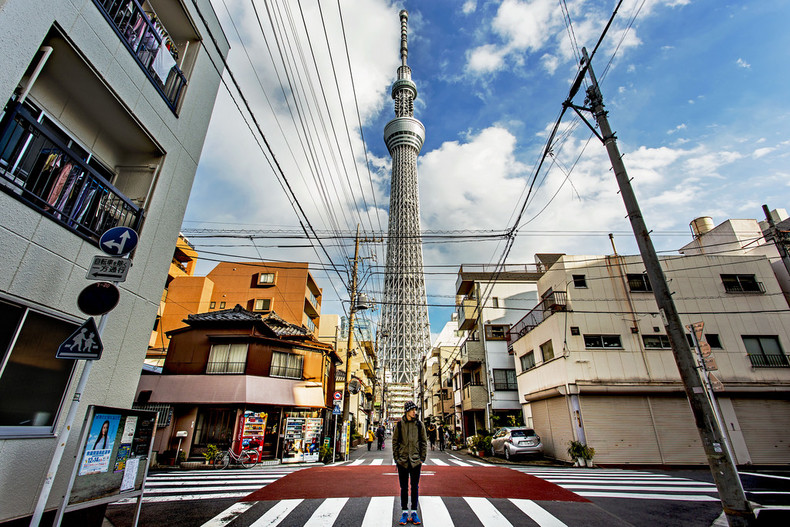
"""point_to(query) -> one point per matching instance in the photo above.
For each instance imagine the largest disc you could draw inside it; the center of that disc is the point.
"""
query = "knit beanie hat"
(409, 406)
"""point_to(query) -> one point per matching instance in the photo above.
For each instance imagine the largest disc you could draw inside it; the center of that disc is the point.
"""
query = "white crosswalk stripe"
(631, 484)
(380, 511)
(207, 484)
(452, 461)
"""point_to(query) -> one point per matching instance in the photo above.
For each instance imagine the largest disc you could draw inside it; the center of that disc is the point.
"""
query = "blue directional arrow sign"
(84, 343)
(118, 241)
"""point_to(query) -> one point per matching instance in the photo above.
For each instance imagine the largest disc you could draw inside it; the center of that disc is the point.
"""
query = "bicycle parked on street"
(247, 458)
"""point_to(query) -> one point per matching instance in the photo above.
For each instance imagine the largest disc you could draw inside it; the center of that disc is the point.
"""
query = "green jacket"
(409, 443)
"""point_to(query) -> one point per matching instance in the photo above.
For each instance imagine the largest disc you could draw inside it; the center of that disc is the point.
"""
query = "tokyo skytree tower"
(405, 312)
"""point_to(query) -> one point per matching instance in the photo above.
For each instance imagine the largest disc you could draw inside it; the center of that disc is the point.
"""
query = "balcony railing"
(769, 361)
(37, 168)
(148, 44)
(551, 303)
(225, 367)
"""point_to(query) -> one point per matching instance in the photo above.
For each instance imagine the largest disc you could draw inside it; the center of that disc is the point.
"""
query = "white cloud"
(743, 64)
(550, 63)
(681, 126)
(760, 152)
(485, 59)
(469, 6)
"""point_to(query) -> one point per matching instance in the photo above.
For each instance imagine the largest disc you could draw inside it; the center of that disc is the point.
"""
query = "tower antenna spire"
(404, 36)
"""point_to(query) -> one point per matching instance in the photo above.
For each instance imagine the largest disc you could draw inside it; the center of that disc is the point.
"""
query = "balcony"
(467, 313)
(768, 361)
(37, 168)
(149, 43)
(311, 305)
(474, 397)
(472, 353)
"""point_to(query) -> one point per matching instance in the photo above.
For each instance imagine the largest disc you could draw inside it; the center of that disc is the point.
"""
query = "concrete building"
(490, 299)
(437, 376)
(106, 111)
(594, 363)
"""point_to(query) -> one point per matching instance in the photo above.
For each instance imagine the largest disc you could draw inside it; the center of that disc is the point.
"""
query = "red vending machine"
(251, 431)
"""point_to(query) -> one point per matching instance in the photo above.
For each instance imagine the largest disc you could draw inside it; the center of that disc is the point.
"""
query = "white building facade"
(594, 362)
(106, 110)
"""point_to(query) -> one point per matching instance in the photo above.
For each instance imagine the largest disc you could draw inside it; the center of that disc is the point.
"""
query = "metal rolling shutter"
(619, 428)
(542, 425)
(561, 431)
(678, 437)
(765, 425)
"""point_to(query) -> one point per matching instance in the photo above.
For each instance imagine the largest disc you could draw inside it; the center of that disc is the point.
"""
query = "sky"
(695, 91)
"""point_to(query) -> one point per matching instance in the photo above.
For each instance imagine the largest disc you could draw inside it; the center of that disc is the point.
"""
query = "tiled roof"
(238, 314)
(283, 328)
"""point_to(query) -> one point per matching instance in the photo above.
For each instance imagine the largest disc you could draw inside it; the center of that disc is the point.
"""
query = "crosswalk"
(381, 511)
(630, 484)
(450, 461)
(207, 484)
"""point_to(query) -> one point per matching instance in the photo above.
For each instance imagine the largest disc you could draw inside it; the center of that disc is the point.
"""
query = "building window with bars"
(741, 283)
(765, 352)
(287, 365)
(227, 358)
(639, 283)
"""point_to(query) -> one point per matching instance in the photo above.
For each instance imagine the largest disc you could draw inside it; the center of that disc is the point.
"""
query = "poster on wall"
(101, 439)
(312, 438)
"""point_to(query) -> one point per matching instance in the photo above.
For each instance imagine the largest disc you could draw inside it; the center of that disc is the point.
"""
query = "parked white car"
(516, 441)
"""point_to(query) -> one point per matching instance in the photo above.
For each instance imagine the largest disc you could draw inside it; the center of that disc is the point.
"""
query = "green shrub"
(211, 452)
(578, 450)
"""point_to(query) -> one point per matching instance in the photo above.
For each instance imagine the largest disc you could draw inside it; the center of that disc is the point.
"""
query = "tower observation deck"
(404, 326)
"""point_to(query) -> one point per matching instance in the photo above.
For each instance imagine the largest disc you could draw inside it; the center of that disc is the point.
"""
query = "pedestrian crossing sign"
(84, 343)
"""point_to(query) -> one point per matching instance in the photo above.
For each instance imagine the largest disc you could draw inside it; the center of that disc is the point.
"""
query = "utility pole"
(733, 500)
(351, 311)
(778, 239)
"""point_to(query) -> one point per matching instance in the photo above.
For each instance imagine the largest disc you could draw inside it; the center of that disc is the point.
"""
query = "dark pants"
(403, 477)
(369, 445)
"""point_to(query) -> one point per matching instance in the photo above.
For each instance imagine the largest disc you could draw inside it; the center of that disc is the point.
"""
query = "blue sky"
(695, 92)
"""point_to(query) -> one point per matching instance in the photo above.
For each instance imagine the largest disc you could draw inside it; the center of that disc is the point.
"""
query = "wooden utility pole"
(350, 342)
(736, 506)
(778, 238)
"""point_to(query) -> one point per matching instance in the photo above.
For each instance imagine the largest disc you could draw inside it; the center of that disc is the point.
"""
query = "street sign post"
(109, 268)
(85, 343)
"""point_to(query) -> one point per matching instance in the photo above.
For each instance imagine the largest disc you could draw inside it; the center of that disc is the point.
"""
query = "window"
(495, 302)
(474, 336)
(288, 365)
(602, 341)
(28, 342)
(579, 281)
(741, 283)
(212, 305)
(505, 380)
(575, 330)
(547, 350)
(639, 283)
(222, 305)
(263, 304)
(765, 352)
(527, 361)
(496, 332)
(711, 338)
(227, 358)
(656, 341)
(266, 279)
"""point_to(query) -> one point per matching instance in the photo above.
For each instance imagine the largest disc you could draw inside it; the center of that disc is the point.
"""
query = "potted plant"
(210, 453)
(325, 454)
(582, 453)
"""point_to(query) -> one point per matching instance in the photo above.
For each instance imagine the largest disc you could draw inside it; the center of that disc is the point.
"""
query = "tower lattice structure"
(405, 312)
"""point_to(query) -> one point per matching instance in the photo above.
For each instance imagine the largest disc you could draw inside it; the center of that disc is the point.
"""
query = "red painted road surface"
(382, 480)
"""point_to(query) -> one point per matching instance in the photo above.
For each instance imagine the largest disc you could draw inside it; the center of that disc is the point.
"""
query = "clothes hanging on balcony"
(60, 181)
(163, 63)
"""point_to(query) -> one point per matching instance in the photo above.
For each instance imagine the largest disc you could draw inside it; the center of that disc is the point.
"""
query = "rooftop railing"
(551, 303)
(148, 42)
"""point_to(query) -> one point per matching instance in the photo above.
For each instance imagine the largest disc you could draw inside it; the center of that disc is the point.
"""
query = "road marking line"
(480, 463)
(460, 463)
(229, 514)
(149, 484)
(639, 496)
(226, 488)
(764, 475)
(439, 462)
(277, 513)
(766, 492)
(488, 515)
(326, 513)
(434, 512)
(182, 497)
(635, 482)
(540, 515)
(357, 462)
(376, 513)
(629, 487)
(377, 461)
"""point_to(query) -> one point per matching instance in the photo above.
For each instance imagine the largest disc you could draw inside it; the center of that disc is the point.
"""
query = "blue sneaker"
(404, 518)
(415, 519)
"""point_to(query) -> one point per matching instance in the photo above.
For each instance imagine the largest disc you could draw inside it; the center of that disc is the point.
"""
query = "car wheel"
(507, 453)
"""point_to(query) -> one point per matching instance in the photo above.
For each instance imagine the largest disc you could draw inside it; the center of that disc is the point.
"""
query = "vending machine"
(251, 432)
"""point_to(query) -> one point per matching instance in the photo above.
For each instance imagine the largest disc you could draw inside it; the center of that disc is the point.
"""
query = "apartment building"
(106, 107)
(489, 300)
(437, 375)
(594, 364)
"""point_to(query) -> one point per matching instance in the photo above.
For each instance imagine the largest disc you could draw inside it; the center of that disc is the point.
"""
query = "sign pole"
(43, 496)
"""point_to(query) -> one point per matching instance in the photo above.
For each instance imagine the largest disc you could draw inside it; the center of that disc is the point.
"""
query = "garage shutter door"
(677, 434)
(620, 429)
(561, 431)
(765, 426)
(542, 425)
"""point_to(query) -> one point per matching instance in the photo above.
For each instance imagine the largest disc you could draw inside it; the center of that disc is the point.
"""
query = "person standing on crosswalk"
(409, 449)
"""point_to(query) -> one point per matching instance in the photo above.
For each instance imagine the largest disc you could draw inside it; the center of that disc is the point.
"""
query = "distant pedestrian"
(380, 434)
(409, 449)
(432, 434)
(369, 437)
(442, 438)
